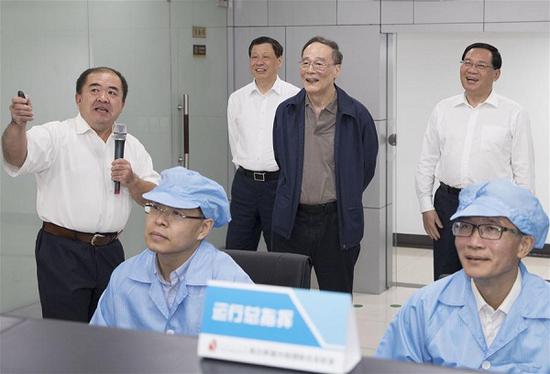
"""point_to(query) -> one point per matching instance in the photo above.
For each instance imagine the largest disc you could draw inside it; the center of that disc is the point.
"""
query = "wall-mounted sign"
(199, 50)
(199, 32)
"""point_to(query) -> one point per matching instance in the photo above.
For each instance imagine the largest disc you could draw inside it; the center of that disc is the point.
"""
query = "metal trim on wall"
(391, 70)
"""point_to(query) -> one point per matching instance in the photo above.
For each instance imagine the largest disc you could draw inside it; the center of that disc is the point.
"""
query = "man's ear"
(497, 75)
(78, 98)
(337, 71)
(206, 227)
(525, 245)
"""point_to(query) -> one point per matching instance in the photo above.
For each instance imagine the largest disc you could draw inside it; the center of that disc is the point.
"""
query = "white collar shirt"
(491, 319)
(72, 167)
(250, 116)
(464, 145)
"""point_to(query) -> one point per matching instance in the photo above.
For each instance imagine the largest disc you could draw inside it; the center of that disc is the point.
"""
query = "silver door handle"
(183, 160)
(392, 139)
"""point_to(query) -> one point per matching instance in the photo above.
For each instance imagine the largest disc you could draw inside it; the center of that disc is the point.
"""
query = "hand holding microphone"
(119, 134)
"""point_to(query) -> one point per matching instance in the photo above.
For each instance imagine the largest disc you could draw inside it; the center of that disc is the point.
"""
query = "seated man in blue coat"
(493, 314)
(163, 288)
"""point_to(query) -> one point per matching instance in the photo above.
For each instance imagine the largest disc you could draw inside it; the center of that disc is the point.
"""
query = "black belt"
(97, 239)
(318, 208)
(259, 176)
(449, 189)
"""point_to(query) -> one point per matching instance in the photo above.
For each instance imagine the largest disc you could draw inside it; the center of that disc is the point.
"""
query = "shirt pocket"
(495, 139)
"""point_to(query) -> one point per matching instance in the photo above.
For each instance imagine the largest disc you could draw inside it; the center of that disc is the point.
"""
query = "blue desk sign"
(279, 326)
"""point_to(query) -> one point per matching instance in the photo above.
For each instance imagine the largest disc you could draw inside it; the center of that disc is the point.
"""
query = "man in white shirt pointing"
(250, 114)
(472, 137)
(77, 247)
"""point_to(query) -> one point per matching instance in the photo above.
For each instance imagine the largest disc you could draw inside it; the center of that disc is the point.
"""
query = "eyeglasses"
(486, 231)
(172, 215)
(318, 66)
(469, 64)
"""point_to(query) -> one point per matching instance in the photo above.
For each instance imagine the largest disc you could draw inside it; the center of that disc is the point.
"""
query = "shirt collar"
(332, 107)
(508, 301)
(277, 87)
(176, 276)
(457, 292)
(492, 100)
(81, 125)
(199, 268)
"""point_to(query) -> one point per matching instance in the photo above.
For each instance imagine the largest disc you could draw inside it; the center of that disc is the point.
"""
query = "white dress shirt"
(491, 319)
(72, 166)
(250, 124)
(464, 145)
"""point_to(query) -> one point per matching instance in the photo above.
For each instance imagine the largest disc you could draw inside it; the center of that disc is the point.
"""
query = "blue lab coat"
(134, 298)
(440, 325)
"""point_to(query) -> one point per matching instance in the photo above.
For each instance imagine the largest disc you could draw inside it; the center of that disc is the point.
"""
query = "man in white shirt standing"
(472, 137)
(77, 247)
(250, 114)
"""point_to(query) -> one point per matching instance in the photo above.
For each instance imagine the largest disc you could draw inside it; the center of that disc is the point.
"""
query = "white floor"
(374, 312)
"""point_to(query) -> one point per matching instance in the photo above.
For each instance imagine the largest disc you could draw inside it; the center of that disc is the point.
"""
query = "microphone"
(119, 134)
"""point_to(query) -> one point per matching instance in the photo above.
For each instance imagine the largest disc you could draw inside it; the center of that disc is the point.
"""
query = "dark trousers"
(315, 234)
(72, 275)
(445, 255)
(251, 210)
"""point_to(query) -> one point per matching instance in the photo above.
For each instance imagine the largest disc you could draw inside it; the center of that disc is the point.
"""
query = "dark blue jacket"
(355, 151)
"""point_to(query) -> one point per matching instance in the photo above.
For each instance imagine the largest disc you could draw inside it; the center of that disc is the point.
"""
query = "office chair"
(274, 268)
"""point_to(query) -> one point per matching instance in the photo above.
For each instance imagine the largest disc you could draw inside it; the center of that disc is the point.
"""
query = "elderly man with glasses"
(472, 137)
(325, 144)
(162, 289)
(493, 314)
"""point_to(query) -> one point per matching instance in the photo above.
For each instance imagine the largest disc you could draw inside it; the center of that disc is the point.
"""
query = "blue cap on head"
(503, 198)
(186, 189)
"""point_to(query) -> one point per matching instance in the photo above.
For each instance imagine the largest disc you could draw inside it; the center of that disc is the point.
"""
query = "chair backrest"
(274, 268)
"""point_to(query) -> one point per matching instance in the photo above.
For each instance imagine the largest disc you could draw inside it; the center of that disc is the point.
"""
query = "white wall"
(428, 71)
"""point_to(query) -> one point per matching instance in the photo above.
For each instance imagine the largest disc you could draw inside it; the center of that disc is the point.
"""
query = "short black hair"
(496, 60)
(337, 56)
(277, 47)
(82, 79)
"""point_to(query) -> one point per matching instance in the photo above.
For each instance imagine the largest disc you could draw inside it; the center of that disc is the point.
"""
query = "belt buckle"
(95, 237)
(259, 176)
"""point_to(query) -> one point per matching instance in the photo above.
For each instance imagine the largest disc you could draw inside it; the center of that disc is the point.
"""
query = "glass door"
(203, 77)
(45, 45)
